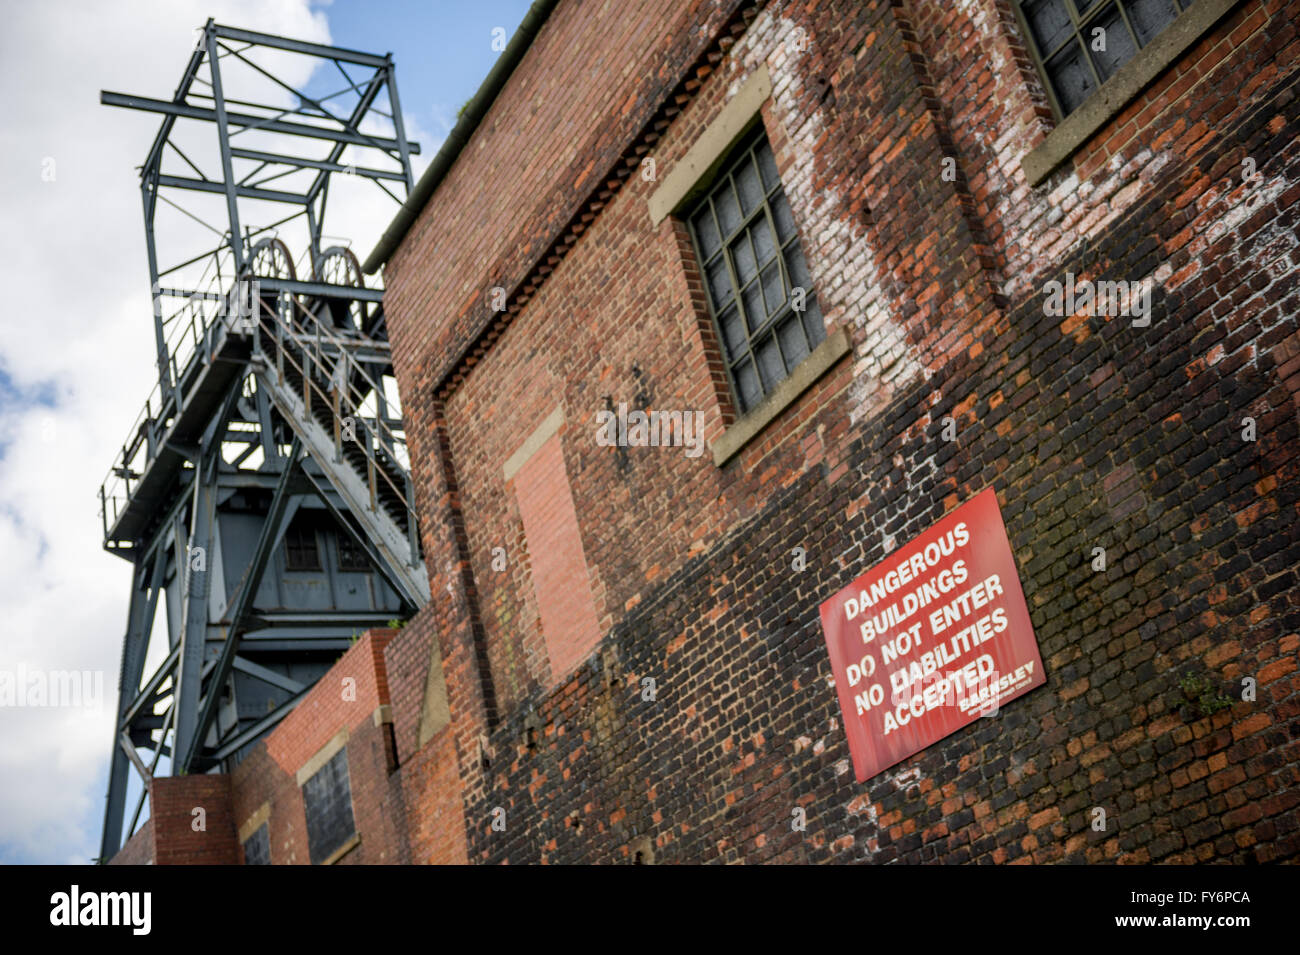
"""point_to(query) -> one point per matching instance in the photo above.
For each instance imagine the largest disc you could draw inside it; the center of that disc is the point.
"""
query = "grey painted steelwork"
(275, 412)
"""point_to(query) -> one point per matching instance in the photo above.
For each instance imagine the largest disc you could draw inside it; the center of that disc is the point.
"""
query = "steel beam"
(186, 111)
(300, 46)
(259, 672)
(153, 768)
(314, 642)
(321, 289)
(227, 170)
(242, 192)
(150, 691)
(194, 626)
(129, 748)
(399, 127)
(363, 106)
(240, 740)
(272, 530)
(182, 90)
(321, 619)
(317, 164)
(144, 602)
(148, 191)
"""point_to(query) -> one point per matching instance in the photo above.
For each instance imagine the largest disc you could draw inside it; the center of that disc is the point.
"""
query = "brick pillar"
(178, 838)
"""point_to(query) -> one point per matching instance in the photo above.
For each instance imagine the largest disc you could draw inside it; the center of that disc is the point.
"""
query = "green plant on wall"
(1201, 696)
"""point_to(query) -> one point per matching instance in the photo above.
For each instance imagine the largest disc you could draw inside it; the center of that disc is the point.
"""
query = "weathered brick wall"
(645, 52)
(268, 774)
(182, 837)
(138, 849)
(258, 780)
(1094, 432)
(996, 115)
(334, 702)
(435, 817)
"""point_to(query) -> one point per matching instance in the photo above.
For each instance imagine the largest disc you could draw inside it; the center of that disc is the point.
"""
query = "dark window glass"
(1149, 17)
(300, 551)
(327, 798)
(1072, 79)
(257, 848)
(351, 556)
(758, 285)
(1118, 48)
(1079, 44)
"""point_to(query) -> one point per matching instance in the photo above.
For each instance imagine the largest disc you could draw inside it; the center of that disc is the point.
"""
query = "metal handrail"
(181, 346)
(320, 334)
(348, 388)
(329, 352)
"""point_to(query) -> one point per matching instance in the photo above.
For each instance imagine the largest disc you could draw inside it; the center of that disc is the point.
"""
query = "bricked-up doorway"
(558, 564)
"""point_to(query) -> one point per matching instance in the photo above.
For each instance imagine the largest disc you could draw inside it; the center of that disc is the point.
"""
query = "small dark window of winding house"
(351, 555)
(300, 551)
(257, 847)
(759, 290)
(1079, 44)
(327, 798)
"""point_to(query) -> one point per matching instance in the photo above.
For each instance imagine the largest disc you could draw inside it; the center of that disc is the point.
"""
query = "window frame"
(745, 149)
(1079, 25)
(324, 856)
(1166, 50)
(264, 832)
(300, 531)
(345, 545)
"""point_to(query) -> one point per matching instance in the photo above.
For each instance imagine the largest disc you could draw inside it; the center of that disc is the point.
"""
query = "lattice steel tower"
(264, 489)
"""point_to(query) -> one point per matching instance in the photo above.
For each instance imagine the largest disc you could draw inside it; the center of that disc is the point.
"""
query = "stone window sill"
(823, 358)
(343, 850)
(1122, 88)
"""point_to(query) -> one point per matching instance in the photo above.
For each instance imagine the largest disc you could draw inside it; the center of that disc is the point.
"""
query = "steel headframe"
(313, 119)
(172, 508)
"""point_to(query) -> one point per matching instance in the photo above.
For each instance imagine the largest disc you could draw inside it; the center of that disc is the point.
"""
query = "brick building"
(825, 233)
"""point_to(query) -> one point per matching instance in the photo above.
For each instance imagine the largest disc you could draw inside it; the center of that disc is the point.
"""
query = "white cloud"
(76, 328)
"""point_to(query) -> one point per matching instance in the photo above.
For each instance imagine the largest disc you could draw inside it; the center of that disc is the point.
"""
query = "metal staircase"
(320, 380)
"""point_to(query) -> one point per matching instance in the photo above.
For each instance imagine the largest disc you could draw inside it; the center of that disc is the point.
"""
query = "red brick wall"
(499, 206)
(628, 564)
(555, 562)
(1092, 433)
(268, 774)
(258, 780)
(552, 182)
(172, 803)
(138, 849)
(996, 115)
(432, 790)
(327, 709)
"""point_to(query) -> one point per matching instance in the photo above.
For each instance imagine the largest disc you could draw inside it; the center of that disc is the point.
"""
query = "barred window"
(759, 290)
(257, 847)
(300, 551)
(327, 798)
(1079, 44)
(351, 555)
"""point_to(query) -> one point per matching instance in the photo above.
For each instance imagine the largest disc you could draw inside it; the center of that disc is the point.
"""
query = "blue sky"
(76, 352)
(442, 48)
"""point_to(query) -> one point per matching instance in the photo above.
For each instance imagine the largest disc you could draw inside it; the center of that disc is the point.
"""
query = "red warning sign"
(931, 639)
